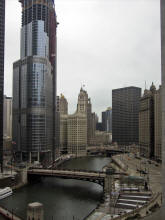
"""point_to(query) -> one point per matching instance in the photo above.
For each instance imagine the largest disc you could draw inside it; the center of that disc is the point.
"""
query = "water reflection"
(62, 198)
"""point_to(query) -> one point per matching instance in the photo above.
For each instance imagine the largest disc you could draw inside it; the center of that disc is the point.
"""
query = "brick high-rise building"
(2, 39)
(125, 111)
(34, 83)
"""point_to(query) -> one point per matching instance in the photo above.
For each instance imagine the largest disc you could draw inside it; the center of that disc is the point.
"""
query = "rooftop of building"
(129, 87)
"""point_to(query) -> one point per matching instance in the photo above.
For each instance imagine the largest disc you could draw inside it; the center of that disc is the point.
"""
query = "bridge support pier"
(108, 184)
(109, 190)
(35, 211)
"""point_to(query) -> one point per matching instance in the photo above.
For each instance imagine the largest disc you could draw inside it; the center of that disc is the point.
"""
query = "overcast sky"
(104, 44)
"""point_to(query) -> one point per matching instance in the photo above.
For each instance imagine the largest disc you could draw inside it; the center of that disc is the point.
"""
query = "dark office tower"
(2, 33)
(34, 83)
(104, 119)
(125, 115)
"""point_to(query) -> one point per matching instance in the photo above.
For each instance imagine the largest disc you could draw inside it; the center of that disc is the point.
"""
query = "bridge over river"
(91, 176)
(104, 150)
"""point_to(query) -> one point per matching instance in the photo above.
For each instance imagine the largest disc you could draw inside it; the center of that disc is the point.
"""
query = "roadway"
(153, 170)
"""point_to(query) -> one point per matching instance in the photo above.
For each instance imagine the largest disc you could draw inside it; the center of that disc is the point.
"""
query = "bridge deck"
(68, 173)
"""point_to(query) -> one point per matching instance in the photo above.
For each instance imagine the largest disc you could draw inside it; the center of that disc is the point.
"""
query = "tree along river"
(63, 199)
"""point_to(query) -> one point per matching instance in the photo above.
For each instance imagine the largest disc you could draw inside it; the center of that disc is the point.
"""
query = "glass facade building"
(2, 33)
(125, 115)
(34, 82)
(107, 120)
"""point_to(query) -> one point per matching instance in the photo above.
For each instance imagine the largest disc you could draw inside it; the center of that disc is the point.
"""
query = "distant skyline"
(104, 44)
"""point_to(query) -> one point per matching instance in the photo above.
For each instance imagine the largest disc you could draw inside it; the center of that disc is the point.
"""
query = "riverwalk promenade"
(143, 168)
(130, 204)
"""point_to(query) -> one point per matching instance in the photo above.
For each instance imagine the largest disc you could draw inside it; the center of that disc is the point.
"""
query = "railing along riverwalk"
(9, 214)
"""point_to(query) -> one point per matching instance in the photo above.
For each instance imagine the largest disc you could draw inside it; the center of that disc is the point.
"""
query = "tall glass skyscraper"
(34, 82)
(2, 33)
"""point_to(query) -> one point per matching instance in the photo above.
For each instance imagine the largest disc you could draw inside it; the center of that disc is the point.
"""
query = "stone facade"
(77, 134)
(158, 125)
(63, 105)
(150, 124)
(84, 106)
(76, 130)
(146, 124)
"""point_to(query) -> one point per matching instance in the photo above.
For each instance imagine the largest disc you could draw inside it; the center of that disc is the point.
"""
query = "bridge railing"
(82, 170)
(10, 214)
(80, 173)
(73, 170)
(76, 170)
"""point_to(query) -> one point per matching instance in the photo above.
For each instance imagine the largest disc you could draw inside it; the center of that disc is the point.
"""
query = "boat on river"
(7, 191)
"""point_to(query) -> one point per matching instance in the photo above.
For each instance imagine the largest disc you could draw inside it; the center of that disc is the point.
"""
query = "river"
(63, 199)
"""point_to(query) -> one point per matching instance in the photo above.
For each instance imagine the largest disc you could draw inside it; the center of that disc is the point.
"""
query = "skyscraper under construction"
(34, 83)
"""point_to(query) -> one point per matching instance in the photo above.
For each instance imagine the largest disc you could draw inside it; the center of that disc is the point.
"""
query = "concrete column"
(38, 158)
(23, 174)
(21, 156)
(30, 157)
(35, 211)
(162, 5)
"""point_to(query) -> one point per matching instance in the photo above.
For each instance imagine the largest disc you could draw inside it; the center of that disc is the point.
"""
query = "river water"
(63, 199)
